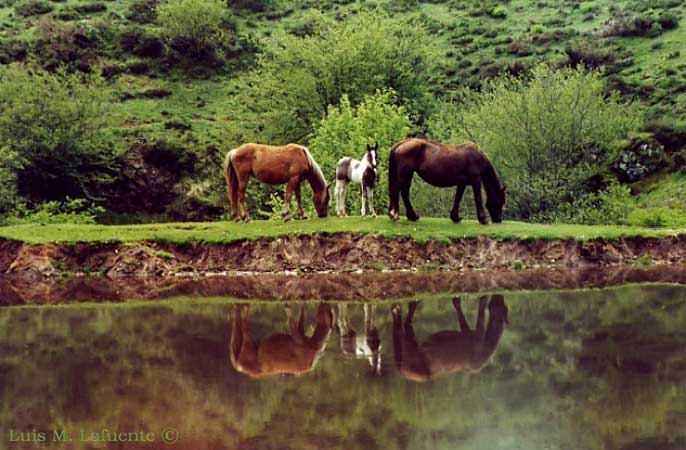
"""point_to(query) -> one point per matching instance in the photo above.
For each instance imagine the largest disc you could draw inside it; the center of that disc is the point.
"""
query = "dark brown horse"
(280, 353)
(444, 165)
(448, 351)
(291, 164)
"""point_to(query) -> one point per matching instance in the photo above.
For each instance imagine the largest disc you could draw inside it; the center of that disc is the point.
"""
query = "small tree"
(299, 77)
(547, 135)
(51, 125)
(192, 25)
(347, 130)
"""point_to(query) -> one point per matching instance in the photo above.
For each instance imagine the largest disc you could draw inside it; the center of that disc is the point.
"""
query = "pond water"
(596, 369)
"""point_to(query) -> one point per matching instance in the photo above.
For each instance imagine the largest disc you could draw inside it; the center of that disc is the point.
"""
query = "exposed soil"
(329, 286)
(329, 252)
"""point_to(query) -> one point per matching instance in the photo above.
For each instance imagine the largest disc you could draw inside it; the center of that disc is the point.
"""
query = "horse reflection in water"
(448, 351)
(367, 345)
(280, 353)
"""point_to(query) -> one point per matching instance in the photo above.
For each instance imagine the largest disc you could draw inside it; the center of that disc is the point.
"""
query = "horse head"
(321, 201)
(372, 155)
(495, 203)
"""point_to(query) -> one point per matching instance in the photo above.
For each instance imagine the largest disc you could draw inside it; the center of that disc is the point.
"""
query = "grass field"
(442, 230)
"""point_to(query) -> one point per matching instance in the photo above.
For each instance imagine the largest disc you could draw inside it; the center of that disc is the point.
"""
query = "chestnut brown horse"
(291, 164)
(448, 352)
(444, 165)
(280, 353)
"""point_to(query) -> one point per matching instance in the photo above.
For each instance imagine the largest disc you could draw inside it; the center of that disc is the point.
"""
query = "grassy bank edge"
(427, 229)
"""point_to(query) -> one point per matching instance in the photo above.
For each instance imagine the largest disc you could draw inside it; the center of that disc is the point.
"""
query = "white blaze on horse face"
(373, 155)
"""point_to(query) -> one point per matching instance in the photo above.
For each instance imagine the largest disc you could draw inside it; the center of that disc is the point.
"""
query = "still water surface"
(602, 369)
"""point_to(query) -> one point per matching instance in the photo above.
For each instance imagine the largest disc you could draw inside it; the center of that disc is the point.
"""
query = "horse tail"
(231, 178)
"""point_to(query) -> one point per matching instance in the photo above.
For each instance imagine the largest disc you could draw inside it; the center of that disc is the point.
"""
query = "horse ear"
(376, 145)
(504, 189)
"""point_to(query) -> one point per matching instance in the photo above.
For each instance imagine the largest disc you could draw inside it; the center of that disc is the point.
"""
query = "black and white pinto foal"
(349, 170)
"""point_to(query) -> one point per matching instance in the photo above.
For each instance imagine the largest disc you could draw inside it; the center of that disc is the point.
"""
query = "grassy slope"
(224, 232)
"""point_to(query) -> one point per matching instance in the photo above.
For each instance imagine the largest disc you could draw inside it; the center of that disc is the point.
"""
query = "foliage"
(74, 211)
(54, 124)
(33, 8)
(657, 217)
(9, 164)
(299, 77)
(195, 25)
(609, 207)
(347, 130)
(547, 135)
(65, 44)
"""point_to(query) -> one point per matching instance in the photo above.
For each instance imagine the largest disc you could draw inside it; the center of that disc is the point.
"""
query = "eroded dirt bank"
(362, 286)
(323, 252)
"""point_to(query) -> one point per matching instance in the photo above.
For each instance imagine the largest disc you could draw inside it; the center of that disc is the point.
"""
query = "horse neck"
(490, 179)
(316, 179)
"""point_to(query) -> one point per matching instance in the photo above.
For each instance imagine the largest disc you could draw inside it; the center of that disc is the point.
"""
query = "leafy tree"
(53, 124)
(547, 135)
(192, 25)
(299, 77)
(347, 130)
(9, 163)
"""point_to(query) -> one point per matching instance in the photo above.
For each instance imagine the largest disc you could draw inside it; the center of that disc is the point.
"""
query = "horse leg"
(405, 192)
(478, 199)
(242, 186)
(363, 211)
(455, 213)
(464, 326)
(483, 300)
(370, 199)
(340, 197)
(290, 187)
(298, 201)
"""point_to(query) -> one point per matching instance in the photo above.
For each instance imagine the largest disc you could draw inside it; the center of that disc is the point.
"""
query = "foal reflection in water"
(448, 352)
(280, 353)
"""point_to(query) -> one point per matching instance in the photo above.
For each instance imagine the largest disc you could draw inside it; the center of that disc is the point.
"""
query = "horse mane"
(316, 170)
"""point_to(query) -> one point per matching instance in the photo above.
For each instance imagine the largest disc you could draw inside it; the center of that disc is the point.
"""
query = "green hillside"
(175, 104)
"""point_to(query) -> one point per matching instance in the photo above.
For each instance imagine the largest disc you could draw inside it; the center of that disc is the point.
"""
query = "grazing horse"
(444, 165)
(448, 352)
(368, 345)
(289, 164)
(293, 353)
(349, 170)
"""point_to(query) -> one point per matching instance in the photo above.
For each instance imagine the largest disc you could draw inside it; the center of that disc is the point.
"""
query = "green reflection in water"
(586, 369)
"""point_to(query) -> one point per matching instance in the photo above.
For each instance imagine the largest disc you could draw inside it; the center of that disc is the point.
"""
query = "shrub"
(89, 8)
(58, 44)
(143, 11)
(13, 50)
(347, 130)
(76, 211)
(499, 12)
(138, 42)
(668, 21)
(546, 135)
(194, 27)
(298, 78)
(33, 8)
(252, 5)
(9, 164)
(609, 207)
(55, 122)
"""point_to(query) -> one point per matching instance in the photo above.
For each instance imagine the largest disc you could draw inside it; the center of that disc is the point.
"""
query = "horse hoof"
(457, 219)
(413, 218)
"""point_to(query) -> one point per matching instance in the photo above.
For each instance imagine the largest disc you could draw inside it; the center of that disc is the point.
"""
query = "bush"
(252, 5)
(76, 211)
(143, 11)
(194, 27)
(55, 122)
(668, 21)
(9, 164)
(347, 130)
(546, 135)
(609, 207)
(13, 50)
(298, 78)
(658, 217)
(65, 44)
(138, 42)
(33, 8)
(499, 12)
(89, 8)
